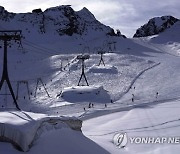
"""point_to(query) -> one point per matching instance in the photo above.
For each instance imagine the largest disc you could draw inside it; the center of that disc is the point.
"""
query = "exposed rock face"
(5, 15)
(155, 26)
(62, 20)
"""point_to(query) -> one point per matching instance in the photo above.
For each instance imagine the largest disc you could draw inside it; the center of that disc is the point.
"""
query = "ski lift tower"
(7, 36)
(83, 58)
(112, 46)
(101, 59)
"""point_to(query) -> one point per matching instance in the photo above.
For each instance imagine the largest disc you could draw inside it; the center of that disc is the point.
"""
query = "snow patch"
(103, 69)
(85, 94)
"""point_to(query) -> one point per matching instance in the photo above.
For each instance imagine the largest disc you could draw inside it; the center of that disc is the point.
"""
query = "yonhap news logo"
(121, 140)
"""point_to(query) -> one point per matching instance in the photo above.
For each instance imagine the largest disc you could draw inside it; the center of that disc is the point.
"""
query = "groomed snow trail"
(160, 84)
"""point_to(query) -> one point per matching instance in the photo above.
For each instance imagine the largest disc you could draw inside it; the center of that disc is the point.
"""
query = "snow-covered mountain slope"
(155, 26)
(55, 22)
(138, 75)
(156, 113)
(170, 36)
(168, 41)
(58, 29)
(120, 71)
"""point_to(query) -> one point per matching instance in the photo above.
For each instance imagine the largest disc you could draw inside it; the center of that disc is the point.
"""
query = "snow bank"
(103, 69)
(22, 128)
(85, 94)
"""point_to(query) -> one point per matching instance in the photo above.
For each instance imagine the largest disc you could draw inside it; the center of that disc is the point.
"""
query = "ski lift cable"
(35, 50)
(40, 47)
(33, 60)
(35, 78)
(45, 49)
(47, 74)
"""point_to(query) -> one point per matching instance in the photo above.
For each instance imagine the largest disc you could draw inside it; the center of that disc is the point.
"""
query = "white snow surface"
(84, 94)
(157, 120)
(103, 69)
(23, 128)
(140, 81)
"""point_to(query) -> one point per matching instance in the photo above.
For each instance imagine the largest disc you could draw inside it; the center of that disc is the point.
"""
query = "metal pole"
(5, 75)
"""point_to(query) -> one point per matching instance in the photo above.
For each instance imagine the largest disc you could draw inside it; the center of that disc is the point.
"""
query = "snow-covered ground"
(152, 120)
(154, 111)
(39, 133)
(137, 92)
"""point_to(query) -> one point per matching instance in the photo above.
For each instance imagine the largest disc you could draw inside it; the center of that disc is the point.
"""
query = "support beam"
(83, 58)
(101, 59)
(6, 36)
(27, 87)
(39, 80)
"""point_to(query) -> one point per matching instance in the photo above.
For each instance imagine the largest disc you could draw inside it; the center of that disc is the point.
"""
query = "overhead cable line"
(44, 49)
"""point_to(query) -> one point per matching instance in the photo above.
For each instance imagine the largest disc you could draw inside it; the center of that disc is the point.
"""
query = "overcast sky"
(126, 15)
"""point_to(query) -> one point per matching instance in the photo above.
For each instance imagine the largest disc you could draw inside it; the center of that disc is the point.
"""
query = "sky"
(125, 15)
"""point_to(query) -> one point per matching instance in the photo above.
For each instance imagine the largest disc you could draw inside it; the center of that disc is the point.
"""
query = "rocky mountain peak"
(155, 26)
(86, 14)
(59, 20)
(5, 15)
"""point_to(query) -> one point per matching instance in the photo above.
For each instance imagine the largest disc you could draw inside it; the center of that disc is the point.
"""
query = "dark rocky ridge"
(61, 19)
(155, 26)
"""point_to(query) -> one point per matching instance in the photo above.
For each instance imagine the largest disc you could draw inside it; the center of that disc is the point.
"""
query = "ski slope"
(153, 120)
(140, 80)
(150, 114)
